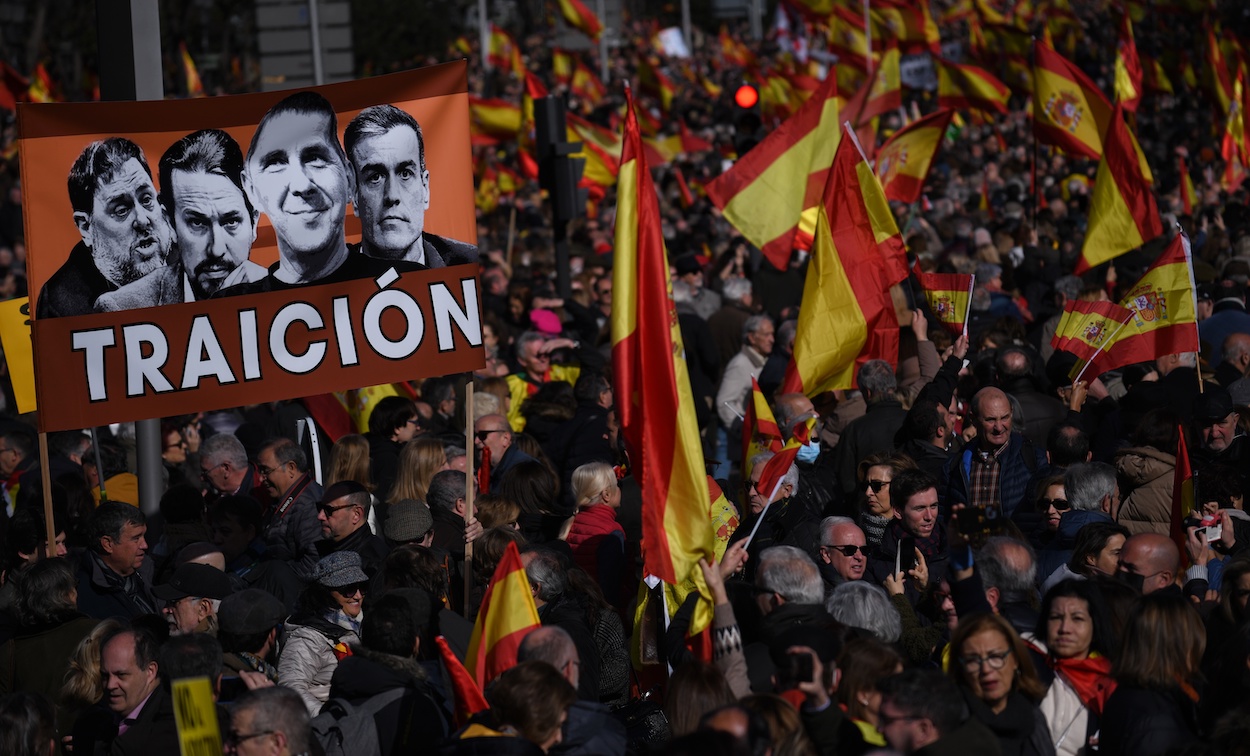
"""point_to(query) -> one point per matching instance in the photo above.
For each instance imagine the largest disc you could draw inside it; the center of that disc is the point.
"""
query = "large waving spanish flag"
(886, 93)
(903, 162)
(847, 315)
(578, 16)
(507, 615)
(1069, 111)
(765, 194)
(1164, 313)
(1122, 214)
(1086, 329)
(970, 88)
(655, 405)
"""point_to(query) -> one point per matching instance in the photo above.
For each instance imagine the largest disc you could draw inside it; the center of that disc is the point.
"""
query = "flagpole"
(1110, 340)
(483, 35)
(868, 37)
(764, 511)
(972, 284)
(1037, 200)
(1193, 289)
(470, 486)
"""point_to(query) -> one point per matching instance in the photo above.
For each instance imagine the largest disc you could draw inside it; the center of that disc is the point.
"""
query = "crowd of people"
(972, 554)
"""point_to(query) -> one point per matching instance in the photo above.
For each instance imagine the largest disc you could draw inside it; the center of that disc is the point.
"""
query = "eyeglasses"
(877, 485)
(266, 471)
(233, 738)
(178, 445)
(482, 435)
(993, 661)
(884, 721)
(350, 590)
(1060, 505)
(849, 550)
(205, 473)
(328, 510)
(414, 421)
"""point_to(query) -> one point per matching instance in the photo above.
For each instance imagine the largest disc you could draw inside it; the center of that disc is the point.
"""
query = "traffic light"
(558, 173)
(748, 124)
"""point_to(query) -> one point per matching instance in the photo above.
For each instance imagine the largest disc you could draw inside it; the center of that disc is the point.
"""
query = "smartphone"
(972, 521)
(1214, 533)
(231, 689)
(905, 559)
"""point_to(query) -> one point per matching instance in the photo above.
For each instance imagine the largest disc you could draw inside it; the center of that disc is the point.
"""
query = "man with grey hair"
(386, 150)
(993, 470)
(1091, 494)
(533, 355)
(558, 606)
(590, 727)
(789, 590)
(787, 520)
(274, 719)
(726, 323)
(843, 551)
(874, 431)
(1008, 570)
(757, 340)
(225, 471)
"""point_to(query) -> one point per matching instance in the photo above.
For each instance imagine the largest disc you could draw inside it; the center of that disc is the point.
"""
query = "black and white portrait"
(125, 233)
(392, 190)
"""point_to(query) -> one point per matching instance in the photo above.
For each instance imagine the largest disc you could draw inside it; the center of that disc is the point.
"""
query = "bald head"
(1236, 351)
(492, 432)
(555, 646)
(790, 407)
(1153, 557)
(992, 411)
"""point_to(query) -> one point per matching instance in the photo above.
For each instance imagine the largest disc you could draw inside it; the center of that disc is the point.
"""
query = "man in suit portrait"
(214, 225)
(387, 153)
(297, 174)
(125, 234)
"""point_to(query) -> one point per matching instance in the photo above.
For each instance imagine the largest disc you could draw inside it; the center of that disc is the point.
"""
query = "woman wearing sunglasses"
(326, 621)
(875, 473)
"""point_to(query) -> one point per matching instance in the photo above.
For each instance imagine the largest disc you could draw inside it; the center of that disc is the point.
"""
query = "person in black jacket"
(344, 516)
(385, 660)
(590, 729)
(114, 576)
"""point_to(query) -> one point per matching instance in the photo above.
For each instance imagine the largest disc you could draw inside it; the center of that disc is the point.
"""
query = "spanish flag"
(1164, 312)
(1189, 197)
(903, 162)
(848, 37)
(562, 62)
(734, 51)
(1154, 77)
(494, 119)
(1086, 329)
(586, 84)
(467, 698)
(578, 16)
(847, 314)
(41, 87)
(949, 296)
(653, 81)
(759, 429)
(886, 93)
(504, 53)
(1069, 111)
(724, 516)
(1128, 68)
(195, 88)
(1122, 215)
(1183, 499)
(765, 194)
(655, 405)
(507, 615)
(970, 88)
(1220, 72)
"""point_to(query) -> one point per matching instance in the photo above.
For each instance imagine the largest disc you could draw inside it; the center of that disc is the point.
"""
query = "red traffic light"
(746, 96)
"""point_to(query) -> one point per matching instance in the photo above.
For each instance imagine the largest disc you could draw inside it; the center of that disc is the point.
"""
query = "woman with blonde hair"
(991, 665)
(493, 510)
(595, 537)
(84, 688)
(1154, 708)
(419, 461)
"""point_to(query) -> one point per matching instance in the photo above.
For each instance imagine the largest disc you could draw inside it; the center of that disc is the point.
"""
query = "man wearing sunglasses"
(344, 517)
(843, 551)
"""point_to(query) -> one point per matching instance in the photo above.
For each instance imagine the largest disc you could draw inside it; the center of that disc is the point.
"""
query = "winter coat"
(1021, 729)
(1145, 475)
(591, 527)
(969, 738)
(1058, 552)
(36, 660)
(407, 725)
(308, 659)
(101, 592)
(1067, 717)
(1019, 464)
(1140, 722)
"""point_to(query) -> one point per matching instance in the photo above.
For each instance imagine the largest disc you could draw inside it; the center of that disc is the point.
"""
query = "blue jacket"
(1015, 474)
(1059, 551)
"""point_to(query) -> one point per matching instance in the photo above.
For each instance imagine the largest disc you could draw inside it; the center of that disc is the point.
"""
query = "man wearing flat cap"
(409, 521)
(247, 627)
(344, 516)
(192, 597)
(1216, 429)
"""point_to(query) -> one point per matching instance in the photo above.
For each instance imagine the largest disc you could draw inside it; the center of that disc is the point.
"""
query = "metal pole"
(603, 44)
(99, 464)
(483, 34)
(685, 25)
(129, 39)
(757, 26)
(314, 33)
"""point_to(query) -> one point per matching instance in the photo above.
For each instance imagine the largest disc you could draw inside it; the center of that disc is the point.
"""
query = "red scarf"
(1089, 677)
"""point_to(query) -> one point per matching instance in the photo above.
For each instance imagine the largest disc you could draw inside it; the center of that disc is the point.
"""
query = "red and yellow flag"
(1069, 111)
(195, 88)
(847, 315)
(578, 16)
(970, 88)
(42, 89)
(948, 295)
(886, 93)
(1154, 77)
(767, 192)
(759, 429)
(1183, 500)
(1220, 72)
(1086, 329)
(467, 698)
(586, 84)
(734, 51)
(494, 119)
(1122, 214)
(1164, 313)
(653, 81)
(562, 62)
(1128, 68)
(504, 53)
(507, 615)
(655, 405)
(903, 162)
(1189, 197)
